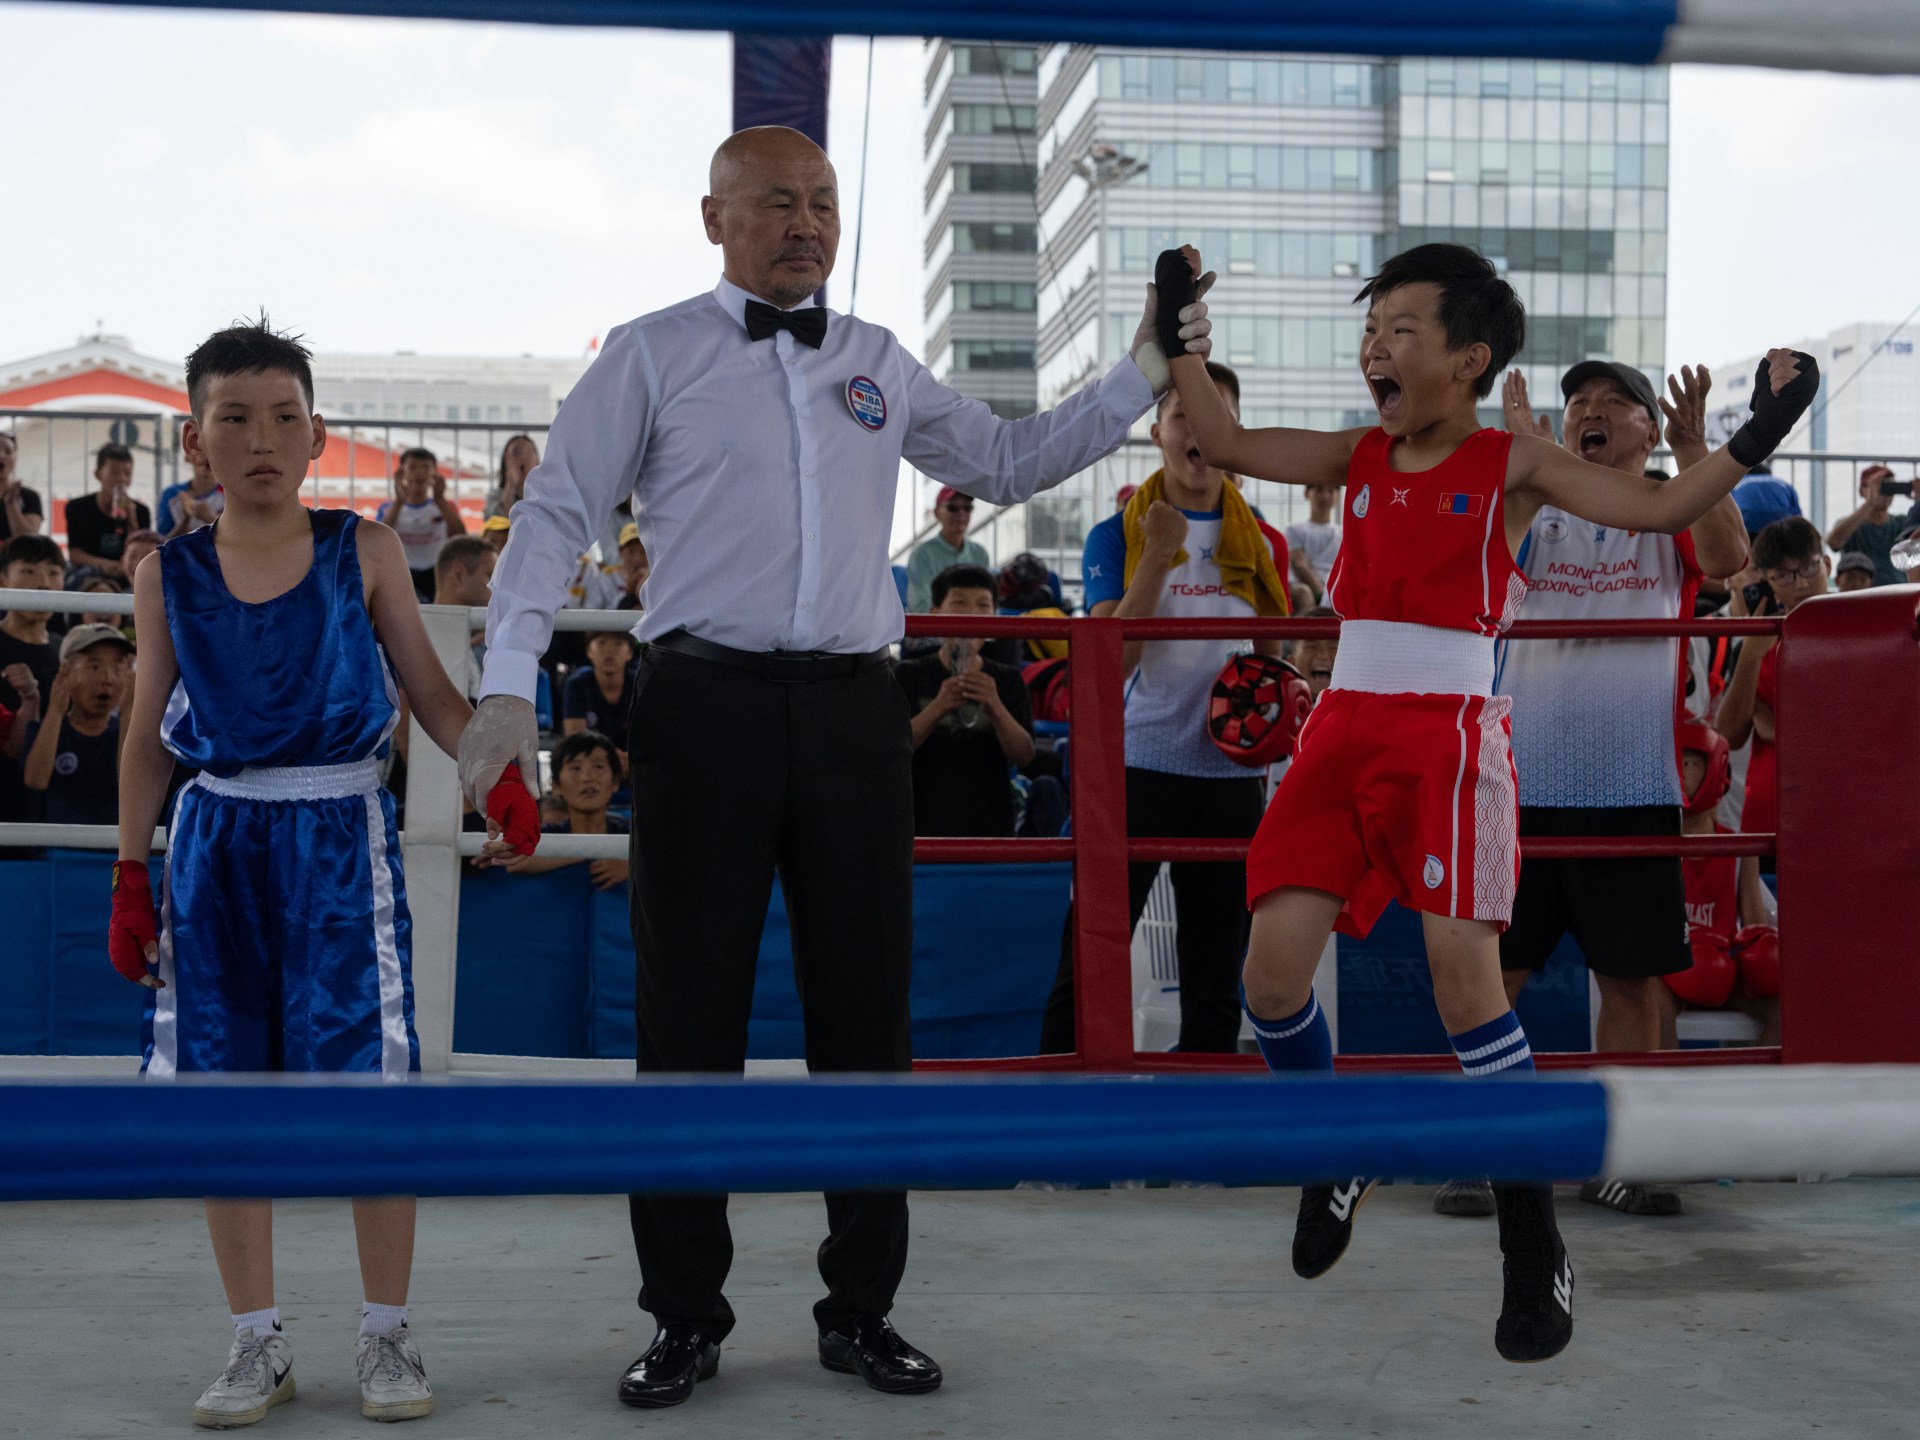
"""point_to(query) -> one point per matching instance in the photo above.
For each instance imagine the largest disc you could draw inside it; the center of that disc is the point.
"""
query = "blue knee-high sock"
(1495, 1048)
(1299, 1042)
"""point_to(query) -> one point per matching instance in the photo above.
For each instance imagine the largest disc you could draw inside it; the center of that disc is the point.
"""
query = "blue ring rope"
(692, 1134)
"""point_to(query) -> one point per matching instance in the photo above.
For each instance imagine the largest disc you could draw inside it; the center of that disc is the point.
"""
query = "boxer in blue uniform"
(282, 941)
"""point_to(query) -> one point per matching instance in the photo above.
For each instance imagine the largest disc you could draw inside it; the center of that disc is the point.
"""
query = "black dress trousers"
(1209, 905)
(737, 777)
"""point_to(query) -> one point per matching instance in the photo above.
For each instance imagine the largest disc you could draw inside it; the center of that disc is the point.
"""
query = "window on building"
(992, 119)
(513, 413)
(987, 237)
(493, 412)
(992, 295)
(473, 412)
(993, 59)
(976, 178)
(992, 355)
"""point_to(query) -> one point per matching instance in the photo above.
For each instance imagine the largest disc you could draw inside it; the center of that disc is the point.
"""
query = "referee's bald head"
(773, 206)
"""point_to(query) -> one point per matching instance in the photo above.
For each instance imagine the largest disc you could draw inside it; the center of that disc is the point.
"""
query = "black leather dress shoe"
(679, 1356)
(875, 1352)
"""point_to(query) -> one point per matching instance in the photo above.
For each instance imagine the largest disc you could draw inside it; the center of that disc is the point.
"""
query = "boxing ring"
(1833, 1099)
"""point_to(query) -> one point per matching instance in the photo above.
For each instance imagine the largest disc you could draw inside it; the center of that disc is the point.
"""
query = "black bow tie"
(808, 323)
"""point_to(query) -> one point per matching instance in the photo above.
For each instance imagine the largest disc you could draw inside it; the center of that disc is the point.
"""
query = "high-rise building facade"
(1296, 176)
(980, 238)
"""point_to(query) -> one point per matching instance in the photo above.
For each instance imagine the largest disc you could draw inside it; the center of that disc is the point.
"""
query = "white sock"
(381, 1319)
(268, 1319)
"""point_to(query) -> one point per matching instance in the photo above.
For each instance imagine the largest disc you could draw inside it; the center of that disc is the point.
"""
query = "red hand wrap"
(1756, 949)
(133, 925)
(511, 808)
(1710, 981)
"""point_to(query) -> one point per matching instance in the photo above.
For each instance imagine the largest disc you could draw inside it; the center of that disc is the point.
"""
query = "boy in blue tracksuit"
(269, 646)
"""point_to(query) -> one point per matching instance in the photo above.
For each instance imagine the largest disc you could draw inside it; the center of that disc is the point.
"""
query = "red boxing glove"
(133, 927)
(511, 808)
(1756, 950)
(1710, 982)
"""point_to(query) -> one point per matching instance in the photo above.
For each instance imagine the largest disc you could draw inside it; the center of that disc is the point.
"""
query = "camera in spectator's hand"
(1897, 487)
(1760, 598)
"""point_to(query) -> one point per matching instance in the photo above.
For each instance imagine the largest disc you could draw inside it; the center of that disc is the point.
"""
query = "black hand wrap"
(1173, 280)
(1774, 416)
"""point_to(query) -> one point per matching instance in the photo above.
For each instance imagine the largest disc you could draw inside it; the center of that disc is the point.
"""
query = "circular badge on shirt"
(1361, 501)
(866, 403)
(1554, 531)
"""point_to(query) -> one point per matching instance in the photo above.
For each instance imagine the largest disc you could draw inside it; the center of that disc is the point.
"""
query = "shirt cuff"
(510, 672)
(1125, 390)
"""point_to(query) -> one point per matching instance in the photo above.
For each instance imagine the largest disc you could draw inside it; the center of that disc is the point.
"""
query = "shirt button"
(807, 473)
(809, 534)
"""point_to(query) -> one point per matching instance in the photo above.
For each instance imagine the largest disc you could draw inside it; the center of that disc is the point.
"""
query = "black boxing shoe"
(1536, 1307)
(1325, 1225)
(680, 1356)
(871, 1348)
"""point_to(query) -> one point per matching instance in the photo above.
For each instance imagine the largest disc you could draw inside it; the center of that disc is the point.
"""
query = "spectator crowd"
(989, 718)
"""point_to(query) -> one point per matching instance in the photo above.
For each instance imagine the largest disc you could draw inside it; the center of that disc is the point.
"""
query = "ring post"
(1849, 829)
(1102, 955)
(430, 854)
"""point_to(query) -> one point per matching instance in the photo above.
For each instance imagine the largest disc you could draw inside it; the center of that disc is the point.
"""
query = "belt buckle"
(790, 667)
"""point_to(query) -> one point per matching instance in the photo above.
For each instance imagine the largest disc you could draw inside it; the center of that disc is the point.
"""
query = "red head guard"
(1259, 704)
(1710, 743)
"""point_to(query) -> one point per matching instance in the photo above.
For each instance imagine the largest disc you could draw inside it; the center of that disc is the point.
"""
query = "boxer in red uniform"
(1736, 949)
(1402, 786)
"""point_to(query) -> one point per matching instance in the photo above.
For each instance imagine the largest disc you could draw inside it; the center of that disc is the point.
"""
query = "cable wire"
(860, 209)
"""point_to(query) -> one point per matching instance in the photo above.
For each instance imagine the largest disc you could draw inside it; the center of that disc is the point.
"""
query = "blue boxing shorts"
(285, 942)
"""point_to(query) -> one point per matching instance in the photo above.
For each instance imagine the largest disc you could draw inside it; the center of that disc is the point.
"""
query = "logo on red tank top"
(1360, 502)
(1463, 504)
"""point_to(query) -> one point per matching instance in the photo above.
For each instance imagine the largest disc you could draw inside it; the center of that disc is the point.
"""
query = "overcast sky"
(488, 189)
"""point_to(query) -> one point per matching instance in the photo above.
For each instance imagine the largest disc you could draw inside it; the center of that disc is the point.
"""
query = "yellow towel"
(1244, 556)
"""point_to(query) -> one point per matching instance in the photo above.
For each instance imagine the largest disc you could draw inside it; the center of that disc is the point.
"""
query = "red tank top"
(1713, 893)
(1430, 547)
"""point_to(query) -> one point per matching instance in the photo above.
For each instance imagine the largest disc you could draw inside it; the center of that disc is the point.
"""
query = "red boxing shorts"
(1397, 797)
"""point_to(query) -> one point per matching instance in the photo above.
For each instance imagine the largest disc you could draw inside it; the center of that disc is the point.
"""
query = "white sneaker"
(259, 1376)
(393, 1381)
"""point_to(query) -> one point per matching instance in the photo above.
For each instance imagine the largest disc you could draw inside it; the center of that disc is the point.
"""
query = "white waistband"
(296, 782)
(1387, 657)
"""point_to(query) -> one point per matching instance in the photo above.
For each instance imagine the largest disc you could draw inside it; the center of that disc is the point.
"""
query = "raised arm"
(1539, 473)
(1292, 457)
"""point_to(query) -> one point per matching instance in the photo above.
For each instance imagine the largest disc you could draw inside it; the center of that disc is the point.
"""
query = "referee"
(761, 438)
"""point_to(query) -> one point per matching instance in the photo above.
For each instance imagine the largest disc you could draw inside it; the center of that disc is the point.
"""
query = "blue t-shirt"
(582, 700)
(1167, 697)
(85, 787)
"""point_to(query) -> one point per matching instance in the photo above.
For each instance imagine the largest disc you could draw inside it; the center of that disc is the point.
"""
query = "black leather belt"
(782, 667)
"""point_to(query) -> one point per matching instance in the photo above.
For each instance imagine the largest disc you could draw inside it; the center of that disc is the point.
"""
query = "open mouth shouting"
(1593, 440)
(1386, 394)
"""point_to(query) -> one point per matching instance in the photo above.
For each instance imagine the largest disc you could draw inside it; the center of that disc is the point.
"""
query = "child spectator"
(517, 461)
(103, 585)
(421, 515)
(1790, 560)
(599, 696)
(74, 757)
(16, 724)
(140, 544)
(1314, 658)
(21, 512)
(98, 525)
(586, 772)
(186, 507)
(494, 532)
(27, 653)
(634, 567)
(1736, 949)
(971, 720)
(1853, 571)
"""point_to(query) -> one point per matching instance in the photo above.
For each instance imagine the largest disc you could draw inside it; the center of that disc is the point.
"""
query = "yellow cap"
(496, 522)
(628, 532)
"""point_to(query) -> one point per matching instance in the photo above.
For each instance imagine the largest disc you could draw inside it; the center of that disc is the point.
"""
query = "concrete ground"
(1765, 1310)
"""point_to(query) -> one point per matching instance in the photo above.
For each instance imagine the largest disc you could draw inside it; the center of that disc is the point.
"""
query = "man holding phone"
(1871, 529)
(98, 524)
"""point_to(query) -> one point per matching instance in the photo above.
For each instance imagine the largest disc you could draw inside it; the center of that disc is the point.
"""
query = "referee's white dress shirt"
(765, 474)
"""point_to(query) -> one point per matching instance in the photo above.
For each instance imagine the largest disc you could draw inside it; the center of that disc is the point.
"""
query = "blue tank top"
(297, 680)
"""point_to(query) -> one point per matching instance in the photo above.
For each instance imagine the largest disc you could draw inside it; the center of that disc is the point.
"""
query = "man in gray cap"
(1593, 720)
